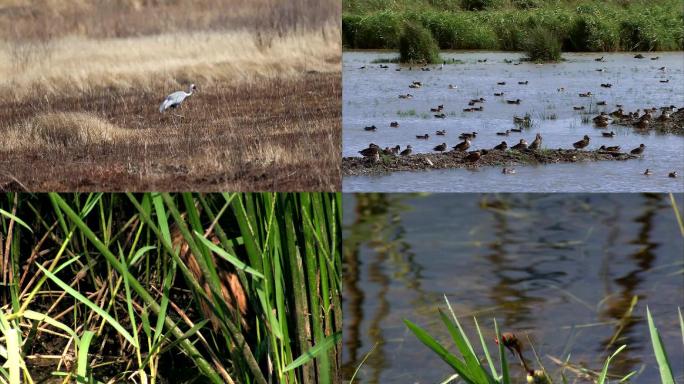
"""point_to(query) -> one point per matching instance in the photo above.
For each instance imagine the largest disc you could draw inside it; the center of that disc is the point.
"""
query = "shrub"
(378, 30)
(541, 45)
(417, 45)
(478, 5)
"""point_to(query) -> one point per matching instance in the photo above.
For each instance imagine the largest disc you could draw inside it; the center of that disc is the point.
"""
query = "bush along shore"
(519, 25)
(363, 166)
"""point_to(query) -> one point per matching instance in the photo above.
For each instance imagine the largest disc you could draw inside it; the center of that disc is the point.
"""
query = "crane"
(175, 99)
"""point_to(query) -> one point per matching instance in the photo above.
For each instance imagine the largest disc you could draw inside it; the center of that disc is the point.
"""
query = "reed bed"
(156, 288)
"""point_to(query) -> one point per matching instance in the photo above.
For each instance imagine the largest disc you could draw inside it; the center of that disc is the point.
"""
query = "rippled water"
(561, 268)
(370, 97)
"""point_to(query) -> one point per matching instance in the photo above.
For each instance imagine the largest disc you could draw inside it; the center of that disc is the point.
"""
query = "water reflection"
(562, 268)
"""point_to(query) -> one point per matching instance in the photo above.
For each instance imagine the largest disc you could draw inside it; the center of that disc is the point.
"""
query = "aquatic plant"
(417, 45)
(128, 286)
(542, 46)
(474, 369)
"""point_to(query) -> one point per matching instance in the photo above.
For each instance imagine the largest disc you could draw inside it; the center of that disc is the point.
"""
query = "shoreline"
(360, 166)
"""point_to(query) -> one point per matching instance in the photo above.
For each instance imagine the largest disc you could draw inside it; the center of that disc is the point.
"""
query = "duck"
(451, 86)
(582, 143)
(482, 60)
(601, 123)
(423, 137)
(641, 124)
(599, 59)
(516, 130)
(406, 96)
(462, 146)
(480, 100)
(440, 115)
(516, 101)
(473, 156)
(665, 81)
(586, 94)
(536, 144)
(609, 134)
(601, 116)
(406, 151)
(467, 135)
(394, 124)
(578, 108)
(648, 172)
(664, 116)
(438, 109)
(498, 93)
(440, 148)
(501, 83)
(371, 151)
(672, 174)
(508, 171)
(505, 133)
(521, 120)
(523, 82)
(610, 149)
(520, 146)
(655, 58)
(501, 147)
(370, 128)
(638, 150)
(396, 149)
(606, 85)
(600, 103)
(478, 109)
(639, 56)
(441, 133)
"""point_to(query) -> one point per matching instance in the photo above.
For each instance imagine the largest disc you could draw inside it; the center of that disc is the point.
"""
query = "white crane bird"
(175, 99)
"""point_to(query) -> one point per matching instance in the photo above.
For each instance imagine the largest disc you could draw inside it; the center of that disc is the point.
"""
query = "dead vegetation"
(81, 82)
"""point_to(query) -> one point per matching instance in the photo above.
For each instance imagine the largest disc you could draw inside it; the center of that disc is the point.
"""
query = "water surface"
(370, 97)
(560, 268)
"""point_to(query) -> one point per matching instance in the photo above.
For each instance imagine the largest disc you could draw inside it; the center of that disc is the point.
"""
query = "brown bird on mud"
(371, 151)
(406, 151)
(520, 146)
(615, 148)
(232, 291)
(582, 143)
(473, 156)
(638, 150)
(440, 148)
(536, 144)
(462, 146)
(501, 147)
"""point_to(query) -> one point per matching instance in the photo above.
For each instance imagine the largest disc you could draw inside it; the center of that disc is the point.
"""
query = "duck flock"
(639, 119)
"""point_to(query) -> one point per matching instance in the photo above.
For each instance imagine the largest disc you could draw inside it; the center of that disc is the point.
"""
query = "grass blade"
(666, 375)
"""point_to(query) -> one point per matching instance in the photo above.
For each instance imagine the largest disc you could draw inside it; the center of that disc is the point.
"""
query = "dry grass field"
(81, 82)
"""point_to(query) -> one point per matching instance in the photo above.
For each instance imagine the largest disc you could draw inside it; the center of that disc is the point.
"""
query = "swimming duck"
(440, 115)
(382, 66)
(520, 146)
(423, 137)
(516, 130)
(599, 59)
(451, 86)
(610, 149)
(521, 120)
(639, 56)
(665, 81)
(462, 146)
(516, 101)
(578, 108)
(480, 100)
(371, 128)
(648, 172)
(638, 150)
(498, 93)
(467, 135)
(394, 124)
(523, 82)
(501, 83)
(587, 94)
(482, 60)
(508, 171)
(501, 147)
(473, 156)
(606, 85)
(406, 151)
(655, 58)
(478, 109)
(440, 148)
(609, 134)
(582, 143)
(406, 96)
(438, 109)
(441, 133)
(536, 144)
(601, 123)
(600, 103)
(672, 174)
(505, 133)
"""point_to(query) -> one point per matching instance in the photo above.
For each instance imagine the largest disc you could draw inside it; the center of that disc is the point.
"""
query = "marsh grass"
(129, 288)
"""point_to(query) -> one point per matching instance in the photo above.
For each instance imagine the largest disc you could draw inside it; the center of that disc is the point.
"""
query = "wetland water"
(370, 97)
(561, 268)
